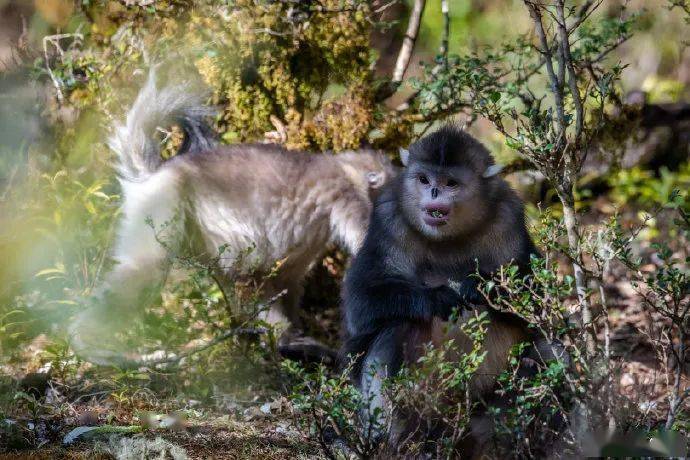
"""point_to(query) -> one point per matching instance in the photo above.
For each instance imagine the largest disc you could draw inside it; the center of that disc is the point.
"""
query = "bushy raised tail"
(134, 141)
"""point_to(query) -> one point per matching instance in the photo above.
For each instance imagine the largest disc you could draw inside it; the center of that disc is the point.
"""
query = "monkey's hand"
(468, 290)
(444, 300)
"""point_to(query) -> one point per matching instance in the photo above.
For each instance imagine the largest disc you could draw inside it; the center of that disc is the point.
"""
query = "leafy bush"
(430, 398)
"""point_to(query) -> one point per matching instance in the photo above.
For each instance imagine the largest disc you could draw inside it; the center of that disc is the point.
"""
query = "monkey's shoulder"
(506, 238)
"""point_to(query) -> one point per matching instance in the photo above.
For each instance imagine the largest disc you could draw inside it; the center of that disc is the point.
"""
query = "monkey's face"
(440, 202)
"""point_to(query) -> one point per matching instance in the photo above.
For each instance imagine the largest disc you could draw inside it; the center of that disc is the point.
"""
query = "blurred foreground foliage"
(301, 74)
(301, 71)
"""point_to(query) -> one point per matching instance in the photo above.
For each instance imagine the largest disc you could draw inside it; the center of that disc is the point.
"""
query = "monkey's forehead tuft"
(451, 146)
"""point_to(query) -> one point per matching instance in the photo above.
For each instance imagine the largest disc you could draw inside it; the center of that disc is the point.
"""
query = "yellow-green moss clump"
(300, 69)
(279, 59)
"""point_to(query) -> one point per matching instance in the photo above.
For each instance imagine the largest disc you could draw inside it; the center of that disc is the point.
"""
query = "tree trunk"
(572, 229)
(675, 398)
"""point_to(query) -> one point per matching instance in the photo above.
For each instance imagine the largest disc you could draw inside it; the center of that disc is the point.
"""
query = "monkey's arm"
(372, 301)
(469, 287)
(470, 292)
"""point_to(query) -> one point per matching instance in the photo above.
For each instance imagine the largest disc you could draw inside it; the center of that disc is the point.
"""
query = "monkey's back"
(264, 198)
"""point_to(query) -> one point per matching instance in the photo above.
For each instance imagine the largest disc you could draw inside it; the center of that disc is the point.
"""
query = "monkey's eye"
(452, 183)
(423, 179)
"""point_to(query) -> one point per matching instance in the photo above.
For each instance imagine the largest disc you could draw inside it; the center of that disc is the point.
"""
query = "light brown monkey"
(285, 205)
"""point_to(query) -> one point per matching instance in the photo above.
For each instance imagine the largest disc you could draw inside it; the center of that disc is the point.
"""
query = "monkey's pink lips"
(435, 217)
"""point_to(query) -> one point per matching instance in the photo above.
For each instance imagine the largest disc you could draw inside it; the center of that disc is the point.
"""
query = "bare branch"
(384, 7)
(556, 89)
(608, 50)
(585, 12)
(446, 32)
(572, 76)
(561, 64)
(173, 358)
(564, 182)
(55, 41)
(676, 398)
(405, 53)
(443, 51)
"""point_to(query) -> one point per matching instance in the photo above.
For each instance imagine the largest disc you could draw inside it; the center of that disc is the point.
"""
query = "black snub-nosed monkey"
(446, 215)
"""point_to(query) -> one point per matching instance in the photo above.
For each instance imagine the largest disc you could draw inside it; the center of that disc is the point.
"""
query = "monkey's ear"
(404, 156)
(375, 179)
(492, 170)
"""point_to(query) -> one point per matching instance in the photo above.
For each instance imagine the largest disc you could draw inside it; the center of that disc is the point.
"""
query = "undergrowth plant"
(428, 404)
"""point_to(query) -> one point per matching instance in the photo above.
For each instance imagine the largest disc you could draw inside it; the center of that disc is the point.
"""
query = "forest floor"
(41, 410)
(224, 426)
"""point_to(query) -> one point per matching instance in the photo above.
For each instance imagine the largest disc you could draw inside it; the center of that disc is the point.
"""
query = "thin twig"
(585, 12)
(556, 89)
(266, 30)
(221, 338)
(446, 32)
(600, 57)
(90, 395)
(55, 41)
(385, 6)
(676, 398)
(176, 358)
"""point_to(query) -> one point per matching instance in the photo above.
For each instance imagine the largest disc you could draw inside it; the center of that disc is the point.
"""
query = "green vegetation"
(304, 74)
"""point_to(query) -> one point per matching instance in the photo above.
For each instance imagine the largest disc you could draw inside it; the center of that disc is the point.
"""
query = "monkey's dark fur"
(387, 282)
(444, 217)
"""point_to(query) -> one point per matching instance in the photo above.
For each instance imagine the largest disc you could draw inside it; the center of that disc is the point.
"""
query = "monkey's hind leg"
(284, 315)
(394, 347)
(383, 360)
(150, 227)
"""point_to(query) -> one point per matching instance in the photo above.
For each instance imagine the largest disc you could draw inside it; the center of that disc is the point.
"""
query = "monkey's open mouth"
(436, 216)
